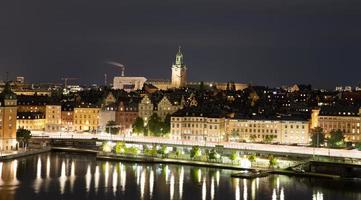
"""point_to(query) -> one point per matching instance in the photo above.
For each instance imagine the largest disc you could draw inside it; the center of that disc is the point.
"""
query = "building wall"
(349, 124)
(8, 125)
(86, 119)
(284, 132)
(145, 108)
(105, 116)
(200, 129)
(32, 108)
(67, 120)
(53, 118)
(121, 82)
(165, 107)
(125, 117)
(31, 124)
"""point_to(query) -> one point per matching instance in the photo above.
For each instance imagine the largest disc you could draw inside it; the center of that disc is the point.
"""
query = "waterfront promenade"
(267, 148)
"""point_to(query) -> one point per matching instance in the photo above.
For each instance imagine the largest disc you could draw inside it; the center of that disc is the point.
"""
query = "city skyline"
(263, 43)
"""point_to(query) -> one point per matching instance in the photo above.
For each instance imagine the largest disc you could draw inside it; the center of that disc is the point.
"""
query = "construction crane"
(121, 66)
(66, 79)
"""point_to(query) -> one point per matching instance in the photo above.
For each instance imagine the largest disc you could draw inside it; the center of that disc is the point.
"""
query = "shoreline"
(156, 160)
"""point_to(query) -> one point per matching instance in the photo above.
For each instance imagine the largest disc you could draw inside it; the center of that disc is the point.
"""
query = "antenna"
(105, 79)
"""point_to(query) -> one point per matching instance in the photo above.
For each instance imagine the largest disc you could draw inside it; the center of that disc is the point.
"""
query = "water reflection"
(171, 187)
(204, 190)
(142, 184)
(123, 177)
(72, 176)
(151, 183)
(108, 180)
(48, 167)
(37, 182)
(115, 180)
(96, 179)
(181, 180)
(88, 178)
(62, 178)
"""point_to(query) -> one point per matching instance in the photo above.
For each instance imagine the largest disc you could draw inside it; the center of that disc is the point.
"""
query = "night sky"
(264, 42)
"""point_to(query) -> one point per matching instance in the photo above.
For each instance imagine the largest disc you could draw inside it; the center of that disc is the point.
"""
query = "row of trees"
(335, 139)
(155, 126)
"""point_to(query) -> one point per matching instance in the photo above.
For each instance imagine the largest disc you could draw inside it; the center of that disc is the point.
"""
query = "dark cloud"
(258, 41)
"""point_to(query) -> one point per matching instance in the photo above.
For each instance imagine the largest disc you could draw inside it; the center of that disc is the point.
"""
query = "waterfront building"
(344, 118)
(33, 121)
(285, 130)
(126, 114)
(107, 113)
(53, 118)
(86, 117)
(32, 103)
(8, 113)
(67, 116)
(198, 124)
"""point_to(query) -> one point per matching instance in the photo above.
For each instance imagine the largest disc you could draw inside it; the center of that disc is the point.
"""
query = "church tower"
(8, 113)
(179, 71)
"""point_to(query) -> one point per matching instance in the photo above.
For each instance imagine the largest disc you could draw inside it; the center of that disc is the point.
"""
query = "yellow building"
(348, 120)
(53, 118)
(195, 126)
(283, 131)
(86, 118)
(33, 121)
(8, 111)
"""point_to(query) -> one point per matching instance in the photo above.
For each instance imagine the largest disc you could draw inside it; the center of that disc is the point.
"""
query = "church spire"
(179, 57)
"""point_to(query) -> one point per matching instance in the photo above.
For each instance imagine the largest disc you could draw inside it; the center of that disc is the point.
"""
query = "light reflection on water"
(62, 174)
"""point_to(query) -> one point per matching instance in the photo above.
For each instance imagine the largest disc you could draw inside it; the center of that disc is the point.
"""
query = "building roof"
(30, 115)
(200, 112)
(339, 111)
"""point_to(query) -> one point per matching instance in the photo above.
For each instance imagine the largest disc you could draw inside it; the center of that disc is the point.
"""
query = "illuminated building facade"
(8, 112)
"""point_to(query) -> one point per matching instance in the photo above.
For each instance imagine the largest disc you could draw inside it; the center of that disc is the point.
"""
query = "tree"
(111, 127)
(317, 137)
(138, 125)
(272, 161)
(132, 150)
(166, 125)
(358, 146)
(336, 138)
(120, 147)
(23, 136)
(155, 125)
(253, 138)
(268, 139)
(163, 150)
(252, 158)
(195, 152)
(234, 156)
(213, 155)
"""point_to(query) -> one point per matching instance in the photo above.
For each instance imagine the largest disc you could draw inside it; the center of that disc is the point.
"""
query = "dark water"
(72, 176)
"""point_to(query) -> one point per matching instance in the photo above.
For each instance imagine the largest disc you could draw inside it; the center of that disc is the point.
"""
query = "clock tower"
(179, 71)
